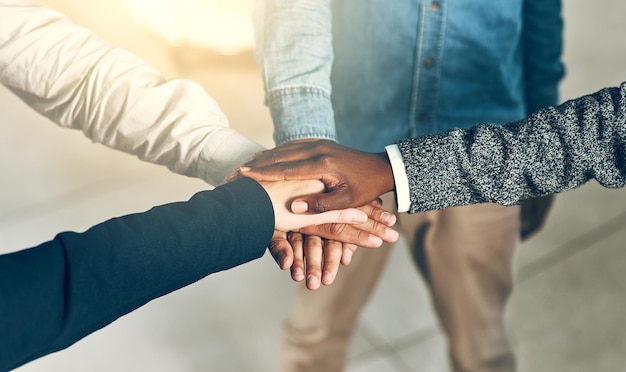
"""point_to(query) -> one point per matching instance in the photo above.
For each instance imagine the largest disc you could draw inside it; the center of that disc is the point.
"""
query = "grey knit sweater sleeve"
(556, 149)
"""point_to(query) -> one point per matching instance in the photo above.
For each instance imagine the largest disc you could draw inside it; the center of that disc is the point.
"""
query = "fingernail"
(388, 218)
(244, 169)
(347, 257)
(327, 278)
(298, 274)
(360, 218)
(376, 241)
(256, 154)
(312, 282)
(299, 206)
(391, 234)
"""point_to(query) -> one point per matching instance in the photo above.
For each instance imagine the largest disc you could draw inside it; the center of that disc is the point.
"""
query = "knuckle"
(337, 228)
(327, 161)
(313, 242)
(286, 168)
(294, 237)
(271, 158)
(320, 205)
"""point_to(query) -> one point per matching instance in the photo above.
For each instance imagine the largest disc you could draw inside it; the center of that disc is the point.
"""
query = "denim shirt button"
(428, 62)
(434, 5)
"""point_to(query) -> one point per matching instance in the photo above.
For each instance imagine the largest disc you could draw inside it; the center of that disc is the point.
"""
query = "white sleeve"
(78, 81)
(403, 196)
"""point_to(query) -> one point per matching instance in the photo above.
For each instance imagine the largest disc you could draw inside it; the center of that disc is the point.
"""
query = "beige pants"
(469, 254)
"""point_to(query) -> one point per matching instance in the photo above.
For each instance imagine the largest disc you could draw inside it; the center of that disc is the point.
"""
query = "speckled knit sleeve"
(554, 150)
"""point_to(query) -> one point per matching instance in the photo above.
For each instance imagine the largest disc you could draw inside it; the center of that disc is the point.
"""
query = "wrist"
(385, 172)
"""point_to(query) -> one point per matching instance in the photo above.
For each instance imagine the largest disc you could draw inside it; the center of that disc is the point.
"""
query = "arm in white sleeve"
(78, 81)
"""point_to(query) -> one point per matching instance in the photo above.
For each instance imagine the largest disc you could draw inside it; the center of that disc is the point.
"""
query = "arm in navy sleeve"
(56, 293)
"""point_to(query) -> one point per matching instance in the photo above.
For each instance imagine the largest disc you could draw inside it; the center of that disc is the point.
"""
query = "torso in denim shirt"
(405, 68)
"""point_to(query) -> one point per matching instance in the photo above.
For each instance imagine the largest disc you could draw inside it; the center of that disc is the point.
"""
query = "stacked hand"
(351, 178)
(331, 237)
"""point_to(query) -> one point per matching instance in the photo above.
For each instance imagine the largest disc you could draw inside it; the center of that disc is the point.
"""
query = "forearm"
(554, 150)
(542, 49)
(294, 51)
(79, 81)
(57, 293)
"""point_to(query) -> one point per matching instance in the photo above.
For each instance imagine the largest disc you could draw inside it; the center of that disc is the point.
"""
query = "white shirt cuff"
(403, 195)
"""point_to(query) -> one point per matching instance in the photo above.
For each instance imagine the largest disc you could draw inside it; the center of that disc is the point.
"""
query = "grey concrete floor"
(566, 311)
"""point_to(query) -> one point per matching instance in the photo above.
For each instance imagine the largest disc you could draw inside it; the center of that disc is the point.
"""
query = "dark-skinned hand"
(352, 178)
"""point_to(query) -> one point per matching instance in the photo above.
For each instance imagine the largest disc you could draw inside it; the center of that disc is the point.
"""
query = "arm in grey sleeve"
(556, 149)
(78, 81)
(295, 53)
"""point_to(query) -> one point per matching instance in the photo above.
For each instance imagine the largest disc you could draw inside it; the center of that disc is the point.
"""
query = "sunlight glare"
(221, 25)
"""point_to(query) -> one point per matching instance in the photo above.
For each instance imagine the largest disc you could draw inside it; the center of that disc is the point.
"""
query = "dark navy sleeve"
(56, 293)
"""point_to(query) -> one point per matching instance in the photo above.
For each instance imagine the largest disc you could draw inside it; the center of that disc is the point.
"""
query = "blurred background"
(566, 311)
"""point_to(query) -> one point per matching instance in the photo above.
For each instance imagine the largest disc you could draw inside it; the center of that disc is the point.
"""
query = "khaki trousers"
(469, 252)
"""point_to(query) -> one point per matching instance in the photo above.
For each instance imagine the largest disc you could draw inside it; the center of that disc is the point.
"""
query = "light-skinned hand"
(282, 195)
(317, 259)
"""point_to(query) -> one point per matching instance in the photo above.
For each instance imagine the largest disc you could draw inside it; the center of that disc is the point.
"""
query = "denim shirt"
(404, 68)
